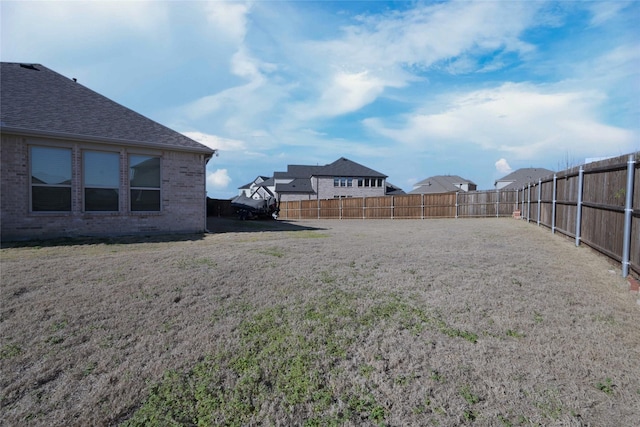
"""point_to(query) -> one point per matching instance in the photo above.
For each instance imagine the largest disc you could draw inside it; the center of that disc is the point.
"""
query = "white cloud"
(524, 120)
(502, 167)
(228, 18)
(78, 25)
(216, 142)
(218, 179)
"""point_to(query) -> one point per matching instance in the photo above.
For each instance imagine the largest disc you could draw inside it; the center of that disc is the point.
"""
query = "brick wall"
(183, 195)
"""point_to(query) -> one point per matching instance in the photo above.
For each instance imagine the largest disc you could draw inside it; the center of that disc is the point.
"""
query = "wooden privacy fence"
(407, 206)
(598, 204)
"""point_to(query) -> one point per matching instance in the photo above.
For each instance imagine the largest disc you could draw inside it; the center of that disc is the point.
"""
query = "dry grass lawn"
(436, 322)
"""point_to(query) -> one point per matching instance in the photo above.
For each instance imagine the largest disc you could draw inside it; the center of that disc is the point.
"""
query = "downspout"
(628, 211)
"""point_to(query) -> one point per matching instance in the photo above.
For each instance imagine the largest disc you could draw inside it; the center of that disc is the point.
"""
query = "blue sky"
(408, 88)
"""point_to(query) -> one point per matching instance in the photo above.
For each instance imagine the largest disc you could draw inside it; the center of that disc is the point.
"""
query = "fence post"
(539, 199)
(422, 205)
(393, 206)
(340, 208)
(456, 204)
(498, 204)
(628, 211)
(579, 205)
(522, 210)
(553, 205)
(529, 202)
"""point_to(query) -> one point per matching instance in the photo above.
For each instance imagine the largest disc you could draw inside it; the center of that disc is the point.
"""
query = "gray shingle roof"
(439, 184)
(521, 177)
(37, 100)
(346, 167)
(298, 185)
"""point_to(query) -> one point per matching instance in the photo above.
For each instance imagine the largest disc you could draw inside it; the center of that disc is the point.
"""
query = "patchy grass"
(361, 323)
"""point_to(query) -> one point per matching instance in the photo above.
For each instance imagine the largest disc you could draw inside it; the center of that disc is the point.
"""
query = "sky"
(411, 89)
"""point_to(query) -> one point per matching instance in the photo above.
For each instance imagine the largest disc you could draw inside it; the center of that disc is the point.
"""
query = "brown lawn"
(435, 322)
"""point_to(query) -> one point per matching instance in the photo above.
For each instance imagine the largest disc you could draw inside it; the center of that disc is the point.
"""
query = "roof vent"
(29, 67)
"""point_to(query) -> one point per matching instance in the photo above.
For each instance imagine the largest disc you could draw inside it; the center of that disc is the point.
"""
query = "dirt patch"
(492, 322)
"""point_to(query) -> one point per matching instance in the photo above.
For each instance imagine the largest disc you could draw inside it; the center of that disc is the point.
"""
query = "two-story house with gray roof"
(75, 163)
(342, 178)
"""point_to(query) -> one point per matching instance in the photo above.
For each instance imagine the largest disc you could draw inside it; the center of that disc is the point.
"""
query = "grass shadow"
(104, 240)
(218, 225)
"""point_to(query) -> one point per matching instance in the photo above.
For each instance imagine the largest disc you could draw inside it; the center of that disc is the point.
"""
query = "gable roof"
(38, 101)
(439, 184)
(346, 167)
(517, 179)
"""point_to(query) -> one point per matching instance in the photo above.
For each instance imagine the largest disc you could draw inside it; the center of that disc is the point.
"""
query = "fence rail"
(597, 204)
(407, 206)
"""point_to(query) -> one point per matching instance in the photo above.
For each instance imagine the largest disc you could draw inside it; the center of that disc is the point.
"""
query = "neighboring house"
(443, 184)
(521, 177)
(260, 188)
(342, 178)
(75, 163)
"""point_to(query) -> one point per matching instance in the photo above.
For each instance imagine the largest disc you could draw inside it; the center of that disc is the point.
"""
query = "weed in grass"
(55, 339)
(193, 263)
(505, 421)
(607, 319)
(366, 370)
(550, 405)
(9, 350)
(515, 334)
(537, 317)
(274, 252)
(469, 415)
(606, 386)
(471, 398)
(58, 326)
(281, 356)
(437, 376)
(327, 278)
(91, 366)
(307, 234)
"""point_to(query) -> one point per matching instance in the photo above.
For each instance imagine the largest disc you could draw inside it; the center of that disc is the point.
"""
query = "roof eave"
(90, 138)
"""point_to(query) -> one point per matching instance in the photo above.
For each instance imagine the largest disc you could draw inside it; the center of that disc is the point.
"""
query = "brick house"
(342, 178)
(75, 163)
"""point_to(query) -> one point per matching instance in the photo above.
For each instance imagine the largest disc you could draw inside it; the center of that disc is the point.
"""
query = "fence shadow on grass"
(218, 225)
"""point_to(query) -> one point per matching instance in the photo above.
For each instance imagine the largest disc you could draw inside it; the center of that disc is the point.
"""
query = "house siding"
(327, 190)
(183, 208)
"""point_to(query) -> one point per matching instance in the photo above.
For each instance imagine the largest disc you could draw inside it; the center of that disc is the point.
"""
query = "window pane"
(101, 199)
(101, 169)
(50, 198)
(145, 200)
(50, 166)
(144, 171)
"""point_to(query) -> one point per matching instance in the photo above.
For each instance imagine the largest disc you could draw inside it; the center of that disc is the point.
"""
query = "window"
(144, 183)
(349, 182)
(101, 178)
(336, 182)
(50, 179)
